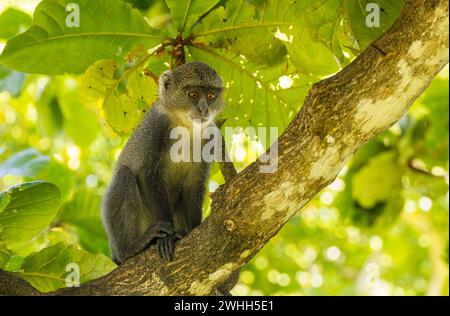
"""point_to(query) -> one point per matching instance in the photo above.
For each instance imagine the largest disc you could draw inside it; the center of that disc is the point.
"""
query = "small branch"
(423, 170)
(178, 55)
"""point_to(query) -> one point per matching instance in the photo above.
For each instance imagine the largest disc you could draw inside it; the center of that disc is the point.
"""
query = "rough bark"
(339, 115)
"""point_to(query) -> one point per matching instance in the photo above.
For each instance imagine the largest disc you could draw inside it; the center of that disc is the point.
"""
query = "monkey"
(151, 199)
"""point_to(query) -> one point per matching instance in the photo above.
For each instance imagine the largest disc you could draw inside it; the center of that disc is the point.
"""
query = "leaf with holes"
(253, 94)
(101, 94)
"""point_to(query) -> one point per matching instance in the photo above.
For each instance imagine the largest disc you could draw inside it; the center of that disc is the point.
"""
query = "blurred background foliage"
(381, 228)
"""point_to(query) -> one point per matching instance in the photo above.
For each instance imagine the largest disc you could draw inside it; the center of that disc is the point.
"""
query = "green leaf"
(324, 22)
(310, 56)
(74, 112)
(96, 83)
(378, 181)
(159, 63)
(310, 30)
(236, 16)
(5, 255)
(30, 208)
(46, 269)
(434, 147)
(186, 13)
(83, 213)
(108, 29)
(122, 111)
(14, 263)
(355, 13)
(11, 81)
(27, 163)
(237, 27)
(50, 117)
(266, 103)
(13, 21)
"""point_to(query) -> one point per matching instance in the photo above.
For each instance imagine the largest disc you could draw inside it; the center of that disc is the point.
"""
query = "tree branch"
(339, 115)
(13, 285)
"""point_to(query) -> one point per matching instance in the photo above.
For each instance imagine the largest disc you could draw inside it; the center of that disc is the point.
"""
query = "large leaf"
(310, 56)
(253, 94)
(26, 209)
(108, 29)
(355, 13)
(46, 269)
(236, 16)
(13, 21)
(237, 26)
(323, 20)
(101, 94)
(378, 181)
(311, 30)
(186, 13)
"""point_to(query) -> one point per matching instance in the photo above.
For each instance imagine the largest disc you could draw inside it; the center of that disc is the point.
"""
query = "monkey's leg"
(121, 213)
(130, 223)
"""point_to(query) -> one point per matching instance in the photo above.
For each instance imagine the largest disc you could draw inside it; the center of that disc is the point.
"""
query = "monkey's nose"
(202, 106)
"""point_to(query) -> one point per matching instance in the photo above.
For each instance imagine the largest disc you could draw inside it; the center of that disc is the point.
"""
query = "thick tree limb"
(340, 114)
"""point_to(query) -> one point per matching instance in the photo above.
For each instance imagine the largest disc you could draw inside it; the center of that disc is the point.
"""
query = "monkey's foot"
(166, 247)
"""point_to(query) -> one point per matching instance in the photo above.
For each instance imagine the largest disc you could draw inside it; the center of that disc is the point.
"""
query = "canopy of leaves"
(380, 228)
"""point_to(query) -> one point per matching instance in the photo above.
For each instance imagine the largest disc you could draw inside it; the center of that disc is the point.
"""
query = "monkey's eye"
(211, 95)
(194, 94)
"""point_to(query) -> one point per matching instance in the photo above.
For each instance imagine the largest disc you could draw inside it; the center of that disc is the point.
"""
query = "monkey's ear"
(165, 80)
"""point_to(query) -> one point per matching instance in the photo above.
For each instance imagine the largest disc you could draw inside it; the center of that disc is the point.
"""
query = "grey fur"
(151, 198)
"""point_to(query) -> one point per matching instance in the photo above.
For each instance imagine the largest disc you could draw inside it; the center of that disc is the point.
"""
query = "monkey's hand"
(166, 246)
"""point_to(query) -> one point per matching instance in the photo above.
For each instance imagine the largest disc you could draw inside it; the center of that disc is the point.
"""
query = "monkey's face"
(193, 91)
(203, 102)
